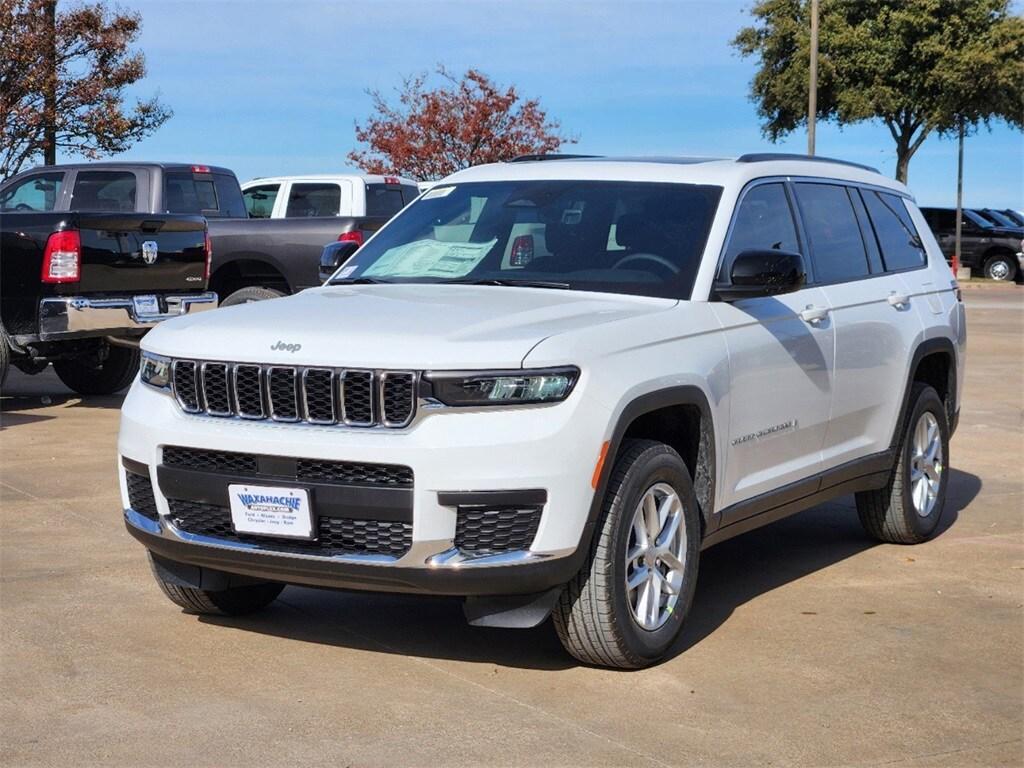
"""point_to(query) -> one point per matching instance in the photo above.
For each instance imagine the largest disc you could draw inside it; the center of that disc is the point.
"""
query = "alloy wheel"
(655, 556)
(926, 464)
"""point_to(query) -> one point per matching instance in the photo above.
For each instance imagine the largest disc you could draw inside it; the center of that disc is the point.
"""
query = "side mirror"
(763, 273)
(334, 255)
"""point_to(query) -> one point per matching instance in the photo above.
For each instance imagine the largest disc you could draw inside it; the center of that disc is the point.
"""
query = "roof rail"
(764, 157)
(535, 158)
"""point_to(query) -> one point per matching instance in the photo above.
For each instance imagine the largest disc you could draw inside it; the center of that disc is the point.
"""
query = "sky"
(273, 87)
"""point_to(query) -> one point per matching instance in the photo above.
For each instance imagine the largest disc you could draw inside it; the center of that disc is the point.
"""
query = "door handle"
(898, 300)
(813, 315)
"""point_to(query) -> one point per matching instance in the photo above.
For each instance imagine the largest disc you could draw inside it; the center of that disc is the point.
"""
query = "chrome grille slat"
(354, 397)
(282, 393)
(216, 389)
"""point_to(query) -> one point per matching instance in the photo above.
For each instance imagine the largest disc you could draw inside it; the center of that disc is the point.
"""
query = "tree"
(919, 66)
(62, 80)
(432, 133)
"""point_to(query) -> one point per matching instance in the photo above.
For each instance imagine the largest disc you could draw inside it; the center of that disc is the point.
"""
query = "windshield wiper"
(508, 281)
(358, 281)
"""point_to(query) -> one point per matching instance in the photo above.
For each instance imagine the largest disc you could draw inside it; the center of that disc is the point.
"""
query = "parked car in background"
(78, 289)
(997, 218)
(289, 197)
(252, 258)
(1017, 217)
(992, 251)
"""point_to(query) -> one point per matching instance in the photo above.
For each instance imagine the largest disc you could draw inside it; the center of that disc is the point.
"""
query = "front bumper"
(68, 317)
(453, 454)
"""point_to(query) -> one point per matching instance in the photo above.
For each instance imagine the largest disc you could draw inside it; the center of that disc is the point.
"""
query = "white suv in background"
(547, 385)
(357, 195)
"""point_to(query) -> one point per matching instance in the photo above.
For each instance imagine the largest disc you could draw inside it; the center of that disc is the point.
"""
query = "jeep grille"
(323, 396)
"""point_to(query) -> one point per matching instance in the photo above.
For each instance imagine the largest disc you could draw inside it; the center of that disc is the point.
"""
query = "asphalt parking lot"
(808, 644)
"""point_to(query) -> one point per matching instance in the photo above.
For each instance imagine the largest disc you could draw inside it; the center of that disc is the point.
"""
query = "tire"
(594, 616)
(87, 377)
(1001, 266)
(5, 356)
(234, 601)
(250, 294)
(891, 514)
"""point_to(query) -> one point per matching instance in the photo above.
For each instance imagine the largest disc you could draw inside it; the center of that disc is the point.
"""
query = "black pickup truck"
(78, 289)
(252, 258)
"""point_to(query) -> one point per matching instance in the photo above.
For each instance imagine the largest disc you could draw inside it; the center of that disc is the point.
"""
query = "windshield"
(997, 218)
(607, 236)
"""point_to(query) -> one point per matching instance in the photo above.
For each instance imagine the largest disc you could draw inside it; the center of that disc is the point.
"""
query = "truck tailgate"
(138, 252)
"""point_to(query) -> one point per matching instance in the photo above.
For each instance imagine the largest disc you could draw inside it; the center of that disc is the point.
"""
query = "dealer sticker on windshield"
(271, 511)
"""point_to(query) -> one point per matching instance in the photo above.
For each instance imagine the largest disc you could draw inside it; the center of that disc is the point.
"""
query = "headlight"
(155, 370)
(545, 385)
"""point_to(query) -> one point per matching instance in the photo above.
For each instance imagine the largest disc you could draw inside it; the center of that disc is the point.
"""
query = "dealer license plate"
(271, 511)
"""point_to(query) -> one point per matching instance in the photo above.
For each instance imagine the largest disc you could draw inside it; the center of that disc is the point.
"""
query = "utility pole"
(50, 86)
(959, 196)
(812, 91)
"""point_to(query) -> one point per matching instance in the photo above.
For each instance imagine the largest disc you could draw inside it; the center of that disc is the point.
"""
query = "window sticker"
(346, 271)
(438, 192)
(430, 258)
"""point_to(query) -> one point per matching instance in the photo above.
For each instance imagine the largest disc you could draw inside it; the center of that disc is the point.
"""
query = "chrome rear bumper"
(75, 316)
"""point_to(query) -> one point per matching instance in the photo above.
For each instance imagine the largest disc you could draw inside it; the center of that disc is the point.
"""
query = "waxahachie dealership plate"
(271, 511)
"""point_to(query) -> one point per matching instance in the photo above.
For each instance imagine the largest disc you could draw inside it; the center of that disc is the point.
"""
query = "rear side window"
(313, 200)
(36, 193)
(104, 191)
(383, 200)
(185, 192)
(897, 237)
(837, 248)
(764, 220)
(259, 201)
(229, 196)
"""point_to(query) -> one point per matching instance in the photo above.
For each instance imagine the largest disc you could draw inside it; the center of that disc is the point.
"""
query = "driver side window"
(35, 194)
(764, 221)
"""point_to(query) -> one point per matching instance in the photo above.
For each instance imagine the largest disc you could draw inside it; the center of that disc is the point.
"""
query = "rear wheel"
(5, 355)
(627, 604)
(1001, 266)
(907, 510)
(250, 294)
(234, 601)
(98, 375)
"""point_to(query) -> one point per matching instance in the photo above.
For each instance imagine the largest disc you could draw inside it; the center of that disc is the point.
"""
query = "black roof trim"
(765, 157)
(538, 158)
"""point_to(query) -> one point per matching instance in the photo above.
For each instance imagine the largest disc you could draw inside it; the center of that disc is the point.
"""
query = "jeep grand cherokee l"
(546, 386)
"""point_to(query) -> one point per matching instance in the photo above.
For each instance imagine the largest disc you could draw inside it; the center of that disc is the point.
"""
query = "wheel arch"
(679, 416)
(934, 363)
(245, 272)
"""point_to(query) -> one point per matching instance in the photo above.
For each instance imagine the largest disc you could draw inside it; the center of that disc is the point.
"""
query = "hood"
(403, 326)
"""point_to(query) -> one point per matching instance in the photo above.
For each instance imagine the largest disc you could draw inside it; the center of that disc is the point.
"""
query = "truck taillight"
(200, 169)
(393, 181)
(209, 255)
(62, 259)
(355, 236)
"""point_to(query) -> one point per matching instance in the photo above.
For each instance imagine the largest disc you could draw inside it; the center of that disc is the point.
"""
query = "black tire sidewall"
(250, 294)
(1010, 262)
(928, 400)
(653, 466)
(113, 375)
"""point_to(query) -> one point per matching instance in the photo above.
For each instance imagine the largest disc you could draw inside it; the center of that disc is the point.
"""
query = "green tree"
(919, 66)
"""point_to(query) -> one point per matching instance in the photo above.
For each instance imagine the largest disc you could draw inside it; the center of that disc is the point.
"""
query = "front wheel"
(233, 601)
(95, 375)
(627, 604)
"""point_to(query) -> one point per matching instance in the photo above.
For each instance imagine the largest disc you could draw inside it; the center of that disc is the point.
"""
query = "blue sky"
(270, 88)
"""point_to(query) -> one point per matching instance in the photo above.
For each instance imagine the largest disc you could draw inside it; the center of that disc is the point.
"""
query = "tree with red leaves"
(62, 79)
(432, 133)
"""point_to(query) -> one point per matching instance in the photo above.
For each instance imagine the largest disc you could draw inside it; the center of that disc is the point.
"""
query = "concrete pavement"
(808, 644)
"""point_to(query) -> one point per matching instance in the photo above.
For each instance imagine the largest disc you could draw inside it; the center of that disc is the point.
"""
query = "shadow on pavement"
(731, 574)
(22, 394)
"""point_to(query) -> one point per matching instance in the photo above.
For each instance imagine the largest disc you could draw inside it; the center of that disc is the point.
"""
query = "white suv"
(547, 385)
